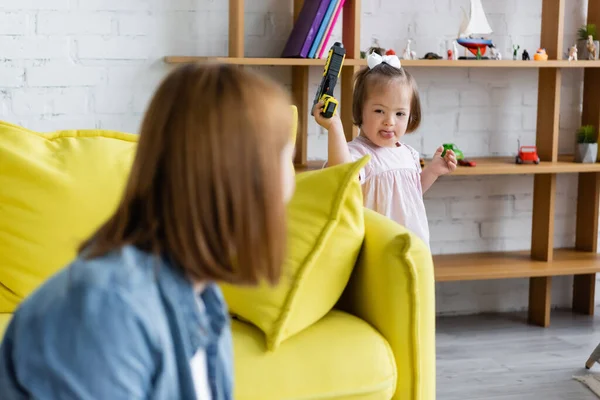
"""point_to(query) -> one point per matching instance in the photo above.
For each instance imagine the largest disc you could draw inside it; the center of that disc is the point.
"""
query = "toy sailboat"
(476, 24)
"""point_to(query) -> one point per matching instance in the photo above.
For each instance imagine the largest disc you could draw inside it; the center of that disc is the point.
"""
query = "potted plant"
(583, 35)
(587, 144)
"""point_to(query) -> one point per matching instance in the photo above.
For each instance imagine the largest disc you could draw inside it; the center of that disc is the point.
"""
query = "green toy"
(451, 146)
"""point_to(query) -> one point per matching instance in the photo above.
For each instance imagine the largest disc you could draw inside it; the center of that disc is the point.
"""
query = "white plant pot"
(582, 52)
(586, 152)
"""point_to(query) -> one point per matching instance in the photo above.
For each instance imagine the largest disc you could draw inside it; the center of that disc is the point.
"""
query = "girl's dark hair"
(366, 79)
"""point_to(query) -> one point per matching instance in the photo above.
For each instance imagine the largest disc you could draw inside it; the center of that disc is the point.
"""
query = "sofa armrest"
(392, 288)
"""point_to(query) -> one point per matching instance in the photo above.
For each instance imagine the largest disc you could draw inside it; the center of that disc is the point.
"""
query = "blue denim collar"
(201, 328)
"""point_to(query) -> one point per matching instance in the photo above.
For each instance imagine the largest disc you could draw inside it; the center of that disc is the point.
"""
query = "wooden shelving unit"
(543, 261)
(302, 62)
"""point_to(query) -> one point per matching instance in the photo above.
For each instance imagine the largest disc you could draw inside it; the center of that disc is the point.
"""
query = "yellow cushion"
(57, 188)
(325, 232)
(339, 357)
(4, 320)
(294, 123)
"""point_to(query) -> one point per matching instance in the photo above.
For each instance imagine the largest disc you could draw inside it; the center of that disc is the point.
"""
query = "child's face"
(386, 113)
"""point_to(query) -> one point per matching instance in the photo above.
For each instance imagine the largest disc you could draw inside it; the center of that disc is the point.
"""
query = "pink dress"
(391, 184)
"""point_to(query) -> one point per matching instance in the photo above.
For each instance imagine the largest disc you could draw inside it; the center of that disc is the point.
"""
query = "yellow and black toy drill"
(333, 68)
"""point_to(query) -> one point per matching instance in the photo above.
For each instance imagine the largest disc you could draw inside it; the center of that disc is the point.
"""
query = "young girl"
(138, 314)
(386, 106)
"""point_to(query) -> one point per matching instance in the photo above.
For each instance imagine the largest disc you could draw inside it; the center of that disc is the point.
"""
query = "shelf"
(406, 63)
(497, 64)
(502, 166)
(507, 166)
(298, 62)
(480, 266)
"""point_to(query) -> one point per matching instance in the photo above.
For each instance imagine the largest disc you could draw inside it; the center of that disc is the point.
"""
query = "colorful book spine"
(323, 45)
(305, 28)
(322, 28)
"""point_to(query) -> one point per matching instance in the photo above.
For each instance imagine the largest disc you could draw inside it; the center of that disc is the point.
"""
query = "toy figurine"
(494, 53)
(431, 56)
(525, 56)
(408, 54)
(591, 48)
(540, 55)
(375, 48)
(450, 55)
(573, 53)
(516, 48)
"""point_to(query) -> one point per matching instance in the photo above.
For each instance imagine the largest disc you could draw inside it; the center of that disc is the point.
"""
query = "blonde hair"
(205, 185)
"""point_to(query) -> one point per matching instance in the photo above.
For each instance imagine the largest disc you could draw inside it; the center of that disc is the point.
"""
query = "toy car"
(466, 163)
(451, 146)
(527, 153)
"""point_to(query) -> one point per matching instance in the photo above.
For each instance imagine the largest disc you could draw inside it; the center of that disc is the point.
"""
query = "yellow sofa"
(377, 343)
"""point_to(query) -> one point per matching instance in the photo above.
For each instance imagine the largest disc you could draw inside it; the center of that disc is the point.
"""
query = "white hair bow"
(375, 59)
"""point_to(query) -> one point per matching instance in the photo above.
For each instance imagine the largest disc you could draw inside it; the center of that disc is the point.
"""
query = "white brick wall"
(95, 63)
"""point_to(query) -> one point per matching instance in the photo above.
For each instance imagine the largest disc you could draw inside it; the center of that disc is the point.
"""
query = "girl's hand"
(443, 165)
(326, 123)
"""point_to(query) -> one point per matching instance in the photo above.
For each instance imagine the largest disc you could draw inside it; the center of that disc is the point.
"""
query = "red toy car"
(466, 163)
(527, 153)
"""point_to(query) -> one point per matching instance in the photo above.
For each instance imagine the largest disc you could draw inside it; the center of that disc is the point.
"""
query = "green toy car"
(451, 146)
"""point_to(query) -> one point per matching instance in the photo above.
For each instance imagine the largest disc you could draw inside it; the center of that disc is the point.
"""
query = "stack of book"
(312, 29)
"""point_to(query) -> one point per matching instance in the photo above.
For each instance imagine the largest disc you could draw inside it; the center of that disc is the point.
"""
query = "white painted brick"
(443, 6)
(36, 47)
(50, 123)
(127, 123)
(39, 102)
(106, 69)
(475, 97)
(62, 74)
(177, 5)
(136, 75)
(436, 209)
(434, 22)
(524, 203)
(503, 7)
(141, 99)
(510, 96)
(475, 120)
(530, 98)
(117, 48)
(112, 101)
(140, 23)
(531, 8)
(15, 23)
(85, 23)
(443, 97)
(505, 143)
(566, 185)
(11, 77)
(35, 5)
(406, 6)
(255, 24)
(509, 184)
(505, 228)
(115, 5)
(449, 231)
(449, 187)
(494, 208)
(529, 118)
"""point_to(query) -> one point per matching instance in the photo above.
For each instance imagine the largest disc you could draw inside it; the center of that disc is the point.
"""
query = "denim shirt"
(122, 326)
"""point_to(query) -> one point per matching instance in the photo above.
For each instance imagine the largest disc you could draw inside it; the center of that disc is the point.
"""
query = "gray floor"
(500, 357)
